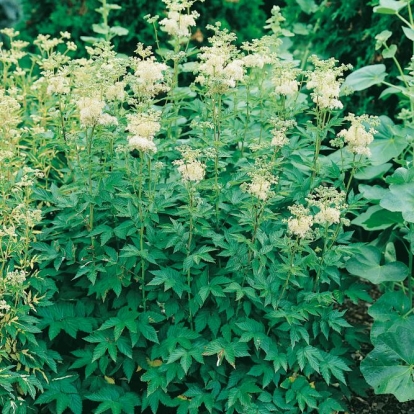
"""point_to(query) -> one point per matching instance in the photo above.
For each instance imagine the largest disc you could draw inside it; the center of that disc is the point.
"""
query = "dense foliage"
(192, 249)
(244, 17)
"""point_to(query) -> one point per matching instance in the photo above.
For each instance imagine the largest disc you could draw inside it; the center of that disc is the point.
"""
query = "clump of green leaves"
(388, 368)
(194, 239)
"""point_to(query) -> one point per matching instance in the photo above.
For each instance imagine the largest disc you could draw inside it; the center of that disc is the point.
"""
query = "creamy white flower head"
(16, 278)
(90, 111)
(284, 80)
(259, 187)
(234, 70)
(359, 135)
(178, 24)
(148, 79)
(141, 144)
(115, 92)
(300, 224)
(106, 119)
(328, 215)
(193, 170)
(144, 124)
(4, 306)
(58, 84)
(150, 71)
(256, 60)
(279, 138)
(325, 81)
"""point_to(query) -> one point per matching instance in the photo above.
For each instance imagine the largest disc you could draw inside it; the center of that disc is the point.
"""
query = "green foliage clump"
(194, 253)
(244, 17)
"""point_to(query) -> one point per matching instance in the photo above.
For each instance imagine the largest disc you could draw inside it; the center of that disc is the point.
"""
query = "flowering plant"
(193, 241)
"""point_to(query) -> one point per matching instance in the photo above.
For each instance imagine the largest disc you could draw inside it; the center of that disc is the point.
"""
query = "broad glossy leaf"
(389, 142)
(366, 264)
(372, 171)
(390, 52)
(366, 77)
(408, 32)
(372, 192)
(389, 368)
(308, 6)
(400, 198)
(389, 6)
(377, 218)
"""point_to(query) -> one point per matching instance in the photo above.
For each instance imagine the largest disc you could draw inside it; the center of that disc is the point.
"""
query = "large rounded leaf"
(366, 264)
(400, 198)
(377, 218)
(390, 141)
(365, 77)
(389, 6)
(389, 368)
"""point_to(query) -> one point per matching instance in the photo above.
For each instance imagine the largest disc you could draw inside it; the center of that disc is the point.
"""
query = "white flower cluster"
(90, 110)
(285, 79)
(143, 127)
(90, 113)
(116, 92)
(191, 171)
(189, 167)
(4, 306)
(220, 68)
(58, 84)
(325, 81)
(259, 52)
(149, 75)
(178, 22)
(261, 180)
(16, 278)
(281, 126)
(301, 221)
(330, 203)
(259, 187)
(27, 216)
(357, 137)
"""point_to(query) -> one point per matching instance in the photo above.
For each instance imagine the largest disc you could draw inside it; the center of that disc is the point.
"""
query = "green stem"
(410, 274)
(258, 211)
(291, 265)
(89, 148)
(142, 228)
(190, 239)
(216, 122)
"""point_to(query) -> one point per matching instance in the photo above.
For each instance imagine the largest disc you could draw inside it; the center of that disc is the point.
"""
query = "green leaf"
(118, 31)
(377, 218)
(390, 52)
(366, 264)
(372, 192)
(400, 198)
(409, 32)
(390, 141)
(372, 171)
(308, 6)
(100, 29)
(389, 368)
(366, 77)
(389, 6)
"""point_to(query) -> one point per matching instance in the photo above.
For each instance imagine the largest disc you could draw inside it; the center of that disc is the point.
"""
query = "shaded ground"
(378, 404)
